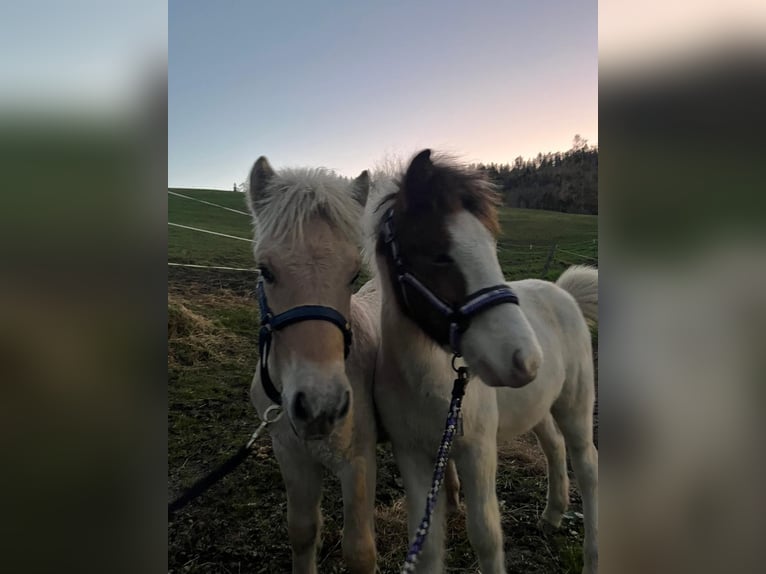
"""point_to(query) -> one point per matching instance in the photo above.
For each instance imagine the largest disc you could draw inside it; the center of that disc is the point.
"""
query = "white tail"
(581, 282)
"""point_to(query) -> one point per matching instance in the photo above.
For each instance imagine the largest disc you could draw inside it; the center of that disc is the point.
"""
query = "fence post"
(549, 260)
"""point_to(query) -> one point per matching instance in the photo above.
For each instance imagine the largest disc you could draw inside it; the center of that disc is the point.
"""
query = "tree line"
(557, 181)
(560, 181)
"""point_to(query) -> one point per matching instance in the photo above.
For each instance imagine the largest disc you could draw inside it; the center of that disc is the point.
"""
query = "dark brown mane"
(470, 190)
(428, 193)
(453, 188)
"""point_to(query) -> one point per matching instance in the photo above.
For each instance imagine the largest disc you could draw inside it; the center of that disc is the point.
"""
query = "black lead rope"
(272, 415)
(207, 481)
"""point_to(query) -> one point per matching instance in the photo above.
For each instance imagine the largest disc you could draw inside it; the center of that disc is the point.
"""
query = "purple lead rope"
(453, 425)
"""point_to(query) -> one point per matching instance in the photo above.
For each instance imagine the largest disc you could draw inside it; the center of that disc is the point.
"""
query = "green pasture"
(524, 246)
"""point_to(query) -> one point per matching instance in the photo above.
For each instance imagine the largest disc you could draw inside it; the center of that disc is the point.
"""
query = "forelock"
(295, 196)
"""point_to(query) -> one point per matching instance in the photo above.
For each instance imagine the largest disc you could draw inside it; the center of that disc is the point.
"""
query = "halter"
(459, 316)
(271, 323)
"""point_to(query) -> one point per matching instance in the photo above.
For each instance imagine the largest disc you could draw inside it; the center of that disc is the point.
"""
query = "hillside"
(523, 247)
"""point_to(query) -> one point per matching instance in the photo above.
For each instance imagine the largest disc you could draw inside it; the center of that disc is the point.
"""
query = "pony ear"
(361, 187)
(260, 176)
(418, 178)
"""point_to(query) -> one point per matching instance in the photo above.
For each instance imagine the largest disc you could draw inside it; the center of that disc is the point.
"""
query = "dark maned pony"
(534, 358)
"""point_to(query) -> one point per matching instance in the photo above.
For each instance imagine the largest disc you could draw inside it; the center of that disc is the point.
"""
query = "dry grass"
(195, 339)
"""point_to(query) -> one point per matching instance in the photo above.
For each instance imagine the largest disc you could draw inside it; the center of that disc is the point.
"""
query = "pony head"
(445, 221)
(307, 247)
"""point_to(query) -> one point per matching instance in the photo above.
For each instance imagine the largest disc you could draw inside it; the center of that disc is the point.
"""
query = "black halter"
(459, 316)
(271, 323)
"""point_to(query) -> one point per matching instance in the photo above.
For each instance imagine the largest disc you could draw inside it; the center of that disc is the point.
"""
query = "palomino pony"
(307, 246)
(433, 238)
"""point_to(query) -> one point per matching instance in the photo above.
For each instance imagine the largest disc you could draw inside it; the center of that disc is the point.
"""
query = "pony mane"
(294, 196)
(384, 186)
(462, 187)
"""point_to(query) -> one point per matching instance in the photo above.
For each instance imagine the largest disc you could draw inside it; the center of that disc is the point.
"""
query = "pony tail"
(581, 281)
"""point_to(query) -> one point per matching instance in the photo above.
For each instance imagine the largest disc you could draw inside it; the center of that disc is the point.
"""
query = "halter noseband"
(459, 316)
(271, 323)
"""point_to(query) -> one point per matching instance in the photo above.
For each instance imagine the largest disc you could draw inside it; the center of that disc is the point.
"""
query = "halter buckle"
(454, 340)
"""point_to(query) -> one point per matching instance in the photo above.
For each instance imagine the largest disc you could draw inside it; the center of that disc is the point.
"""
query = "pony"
(308, 244)
(531, 363)
(307, 227)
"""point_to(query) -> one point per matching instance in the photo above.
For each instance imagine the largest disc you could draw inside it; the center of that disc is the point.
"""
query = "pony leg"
(358, 485)
(478, 468)
(552, 442)
(417, 471)
(577, 426)
(303, 481)
(452, 488)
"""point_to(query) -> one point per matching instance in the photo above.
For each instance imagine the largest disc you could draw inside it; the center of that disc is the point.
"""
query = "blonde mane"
(294, 196)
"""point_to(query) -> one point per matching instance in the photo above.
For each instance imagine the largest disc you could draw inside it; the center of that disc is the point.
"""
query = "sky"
(345, 85)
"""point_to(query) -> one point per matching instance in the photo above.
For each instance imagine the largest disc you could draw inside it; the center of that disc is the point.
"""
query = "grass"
(523, 247)
(239, 524)
(186, 246)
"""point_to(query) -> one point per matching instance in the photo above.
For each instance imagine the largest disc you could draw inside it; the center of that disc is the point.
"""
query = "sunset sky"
(345, 84)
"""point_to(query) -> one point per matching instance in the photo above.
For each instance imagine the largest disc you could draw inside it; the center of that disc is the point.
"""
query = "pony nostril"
(300, 406)
(518, 362)
(521, 364)
(345, 405)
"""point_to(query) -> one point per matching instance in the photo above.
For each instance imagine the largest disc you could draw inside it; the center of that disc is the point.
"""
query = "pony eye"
(266, 273)
(443, 259)
(355, 278)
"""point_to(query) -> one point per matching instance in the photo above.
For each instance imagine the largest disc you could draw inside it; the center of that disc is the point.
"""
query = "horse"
(431, 233)
(308, 239)
(307, 226)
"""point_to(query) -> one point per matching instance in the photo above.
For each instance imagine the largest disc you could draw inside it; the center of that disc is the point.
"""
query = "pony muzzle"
(501, 347)
(318, 405)
(524, 368)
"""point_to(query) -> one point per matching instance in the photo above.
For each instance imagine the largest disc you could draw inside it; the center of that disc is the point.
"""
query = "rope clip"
(272, 415)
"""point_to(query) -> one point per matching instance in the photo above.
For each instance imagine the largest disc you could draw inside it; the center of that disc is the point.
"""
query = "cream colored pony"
(307, 245)
(532, 362)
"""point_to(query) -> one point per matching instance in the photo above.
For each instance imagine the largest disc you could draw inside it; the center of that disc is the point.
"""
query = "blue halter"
(271, 323)
(459, 316)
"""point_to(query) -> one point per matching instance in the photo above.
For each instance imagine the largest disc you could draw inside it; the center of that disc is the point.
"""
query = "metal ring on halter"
(267, 416)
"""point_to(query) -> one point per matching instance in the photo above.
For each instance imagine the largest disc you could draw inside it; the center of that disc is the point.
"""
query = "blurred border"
(683, 278)
(83, 133)
(83, 155)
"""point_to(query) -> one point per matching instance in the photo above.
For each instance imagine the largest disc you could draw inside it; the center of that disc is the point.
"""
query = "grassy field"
(523, 248)
(186, 246)
(239, 525)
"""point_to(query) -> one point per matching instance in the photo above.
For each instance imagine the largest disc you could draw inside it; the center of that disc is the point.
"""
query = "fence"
(518, 260)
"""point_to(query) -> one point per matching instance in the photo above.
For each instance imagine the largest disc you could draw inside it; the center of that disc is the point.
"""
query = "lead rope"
(272, 415)
(453, 425)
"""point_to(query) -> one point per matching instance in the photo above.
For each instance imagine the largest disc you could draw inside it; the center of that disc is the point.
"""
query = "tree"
(560, 181)
(579, 143)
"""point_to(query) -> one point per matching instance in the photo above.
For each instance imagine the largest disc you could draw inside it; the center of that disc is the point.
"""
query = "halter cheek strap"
(271, 323)
(459, 316)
